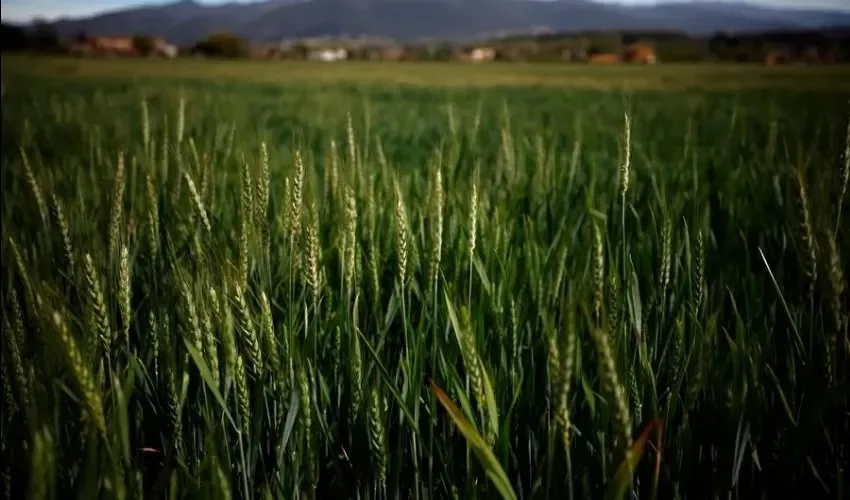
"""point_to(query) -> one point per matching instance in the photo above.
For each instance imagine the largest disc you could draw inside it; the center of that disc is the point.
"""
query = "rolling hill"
(187, 21)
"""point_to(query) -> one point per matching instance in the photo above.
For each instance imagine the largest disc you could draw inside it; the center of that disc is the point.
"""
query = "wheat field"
(237, 290)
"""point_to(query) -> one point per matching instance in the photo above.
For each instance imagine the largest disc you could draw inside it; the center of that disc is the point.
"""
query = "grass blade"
(204, 370)
(625, 472)
(479, 445)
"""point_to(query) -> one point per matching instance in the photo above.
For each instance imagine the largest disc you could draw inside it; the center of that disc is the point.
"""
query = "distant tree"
(443, 52)
(816, 46)
(686, 50)
(143, 44)
(300, 51)
(223, 45)
(43, 37)
(13, 38)
(605, 42)
(81, 36)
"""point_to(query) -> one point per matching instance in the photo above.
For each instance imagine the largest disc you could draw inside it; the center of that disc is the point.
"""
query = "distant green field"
(715, 77)
(249, 280)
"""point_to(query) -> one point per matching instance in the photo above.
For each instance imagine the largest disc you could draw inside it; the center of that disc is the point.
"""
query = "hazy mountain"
(186, 21)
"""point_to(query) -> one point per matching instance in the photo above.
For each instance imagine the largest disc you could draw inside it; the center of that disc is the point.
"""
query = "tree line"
(811, 46)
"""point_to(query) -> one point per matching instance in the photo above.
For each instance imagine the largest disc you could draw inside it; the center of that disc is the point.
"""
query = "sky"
(26, 10)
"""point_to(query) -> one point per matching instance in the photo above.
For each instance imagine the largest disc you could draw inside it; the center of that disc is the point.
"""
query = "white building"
(482, 54)
(164, 49)
(328, 55)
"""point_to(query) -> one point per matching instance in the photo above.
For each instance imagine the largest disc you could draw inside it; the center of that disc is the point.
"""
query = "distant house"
(640, 54)
(775, 57)
(328, 55)
(113, 45)
(604, 58)
(119, 46)
(393, 54)
(574, 54)
(164, 49)
(480, 54)
(636, 54)
(803, 56)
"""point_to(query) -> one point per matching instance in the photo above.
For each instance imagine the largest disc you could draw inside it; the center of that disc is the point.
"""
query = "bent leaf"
(206, 375)
(479, 445)
(625, 472)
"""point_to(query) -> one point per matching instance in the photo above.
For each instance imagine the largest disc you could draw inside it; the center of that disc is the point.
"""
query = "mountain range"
(187, 21)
